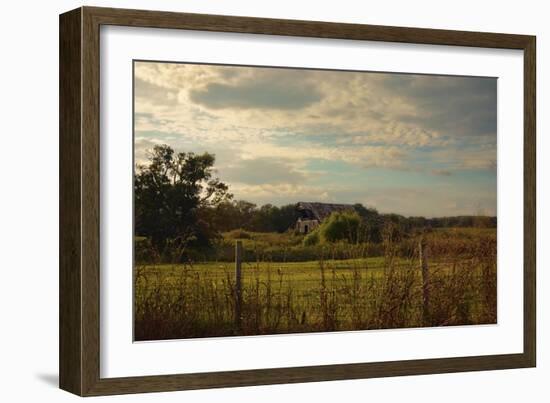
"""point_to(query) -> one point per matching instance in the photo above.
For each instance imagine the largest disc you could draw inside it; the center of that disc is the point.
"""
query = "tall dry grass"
(192, 303)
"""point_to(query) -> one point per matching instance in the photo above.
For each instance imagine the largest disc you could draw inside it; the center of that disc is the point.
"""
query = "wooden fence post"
(422, 252)
(238, 285)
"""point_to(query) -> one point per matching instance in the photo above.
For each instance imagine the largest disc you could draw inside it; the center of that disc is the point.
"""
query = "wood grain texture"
(80, 196)
(161, 383)
(530, 202)
(90, 201)
(316, 29)
(70, 314)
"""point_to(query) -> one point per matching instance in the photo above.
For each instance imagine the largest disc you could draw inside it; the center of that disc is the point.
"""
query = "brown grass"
(462, 289)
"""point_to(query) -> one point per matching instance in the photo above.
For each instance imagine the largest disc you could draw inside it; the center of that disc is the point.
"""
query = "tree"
(168, 193)
(371, 221)
(286, 218)
(241, 214)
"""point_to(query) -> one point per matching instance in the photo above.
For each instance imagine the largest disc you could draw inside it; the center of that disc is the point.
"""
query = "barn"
(312, 214)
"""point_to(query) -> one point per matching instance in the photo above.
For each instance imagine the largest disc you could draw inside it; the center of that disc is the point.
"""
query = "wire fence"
(194, 300)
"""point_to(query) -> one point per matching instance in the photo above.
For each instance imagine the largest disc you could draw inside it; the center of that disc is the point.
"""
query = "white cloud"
(279, 193)
(435, 126)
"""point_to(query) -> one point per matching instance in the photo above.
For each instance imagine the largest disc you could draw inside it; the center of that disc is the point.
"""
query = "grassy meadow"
(289, 287)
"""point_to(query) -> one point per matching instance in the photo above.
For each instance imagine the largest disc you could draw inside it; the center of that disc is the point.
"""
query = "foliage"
(169, 191)
(235, 214)
(371, 223)
(269, 218)
(181, 210)
(238, 234)
(476, 221)
(144, 251)
(341, 226)
(311, 239)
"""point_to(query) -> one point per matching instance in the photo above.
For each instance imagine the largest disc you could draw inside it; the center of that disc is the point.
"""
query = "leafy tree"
(285, 218)
(241, 214)
(372, 223)
(170, 190)
(245, 211)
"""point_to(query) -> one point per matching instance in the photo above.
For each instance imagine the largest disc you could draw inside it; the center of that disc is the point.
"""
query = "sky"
(417, 145)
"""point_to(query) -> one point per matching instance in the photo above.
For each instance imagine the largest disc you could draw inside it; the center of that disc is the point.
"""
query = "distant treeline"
(242, 214)
(180, 203)
(457, 221)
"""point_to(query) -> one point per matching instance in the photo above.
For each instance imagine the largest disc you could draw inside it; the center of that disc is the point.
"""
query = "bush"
(341, 226)
(144, 251)
(311, 239)
(238, 234)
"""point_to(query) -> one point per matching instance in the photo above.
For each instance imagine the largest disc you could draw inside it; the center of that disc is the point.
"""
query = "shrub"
(144, 251)
(311, 239)
(341, 226)
(238, 234)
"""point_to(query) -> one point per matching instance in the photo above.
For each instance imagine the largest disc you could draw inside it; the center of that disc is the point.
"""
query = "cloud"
(144, 145)
(279, 194)
(263, 93)
(428, 201)
(263, 171)
(401, 134)
(464, 106)
(299, 153)
(148, 92)
(175, 76)
(482, 158)
(281, 134)
(441, 172)
(361, 108)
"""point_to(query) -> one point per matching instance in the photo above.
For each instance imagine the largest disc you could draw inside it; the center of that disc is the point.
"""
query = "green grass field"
(295, 271)
(302, 277)
(199, 299)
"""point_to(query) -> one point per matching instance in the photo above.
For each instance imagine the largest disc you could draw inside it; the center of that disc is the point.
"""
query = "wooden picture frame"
(79, 346)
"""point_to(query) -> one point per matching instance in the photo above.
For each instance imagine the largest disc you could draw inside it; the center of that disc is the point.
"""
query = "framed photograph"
(250, 201)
